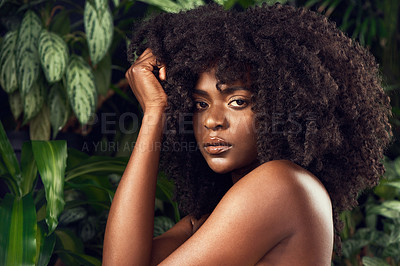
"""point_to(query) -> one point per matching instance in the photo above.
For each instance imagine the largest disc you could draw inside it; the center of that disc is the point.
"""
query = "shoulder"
(290, 197)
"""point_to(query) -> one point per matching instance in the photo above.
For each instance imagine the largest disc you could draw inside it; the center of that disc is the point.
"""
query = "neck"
(239, 173)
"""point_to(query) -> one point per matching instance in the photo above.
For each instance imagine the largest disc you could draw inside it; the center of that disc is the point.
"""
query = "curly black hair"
(317, 96)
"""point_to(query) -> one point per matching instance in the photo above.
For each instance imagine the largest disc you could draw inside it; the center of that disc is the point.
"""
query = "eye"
(238, 103)
(200, 105)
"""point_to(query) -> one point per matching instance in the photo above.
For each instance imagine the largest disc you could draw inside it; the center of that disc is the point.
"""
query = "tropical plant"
(63, 213)
(372, 231)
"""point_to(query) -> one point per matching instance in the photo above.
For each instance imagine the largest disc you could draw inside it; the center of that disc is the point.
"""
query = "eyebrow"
(227, 90)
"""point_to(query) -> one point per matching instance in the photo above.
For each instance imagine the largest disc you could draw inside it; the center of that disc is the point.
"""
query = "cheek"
(198, 129)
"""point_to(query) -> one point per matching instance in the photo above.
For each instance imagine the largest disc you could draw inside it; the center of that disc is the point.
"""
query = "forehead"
(207, 81)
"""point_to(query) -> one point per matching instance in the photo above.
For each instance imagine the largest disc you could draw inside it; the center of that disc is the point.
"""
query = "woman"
(289, 122)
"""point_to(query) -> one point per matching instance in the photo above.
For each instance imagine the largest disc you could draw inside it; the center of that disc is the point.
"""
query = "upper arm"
(166, 243)
(257, 213)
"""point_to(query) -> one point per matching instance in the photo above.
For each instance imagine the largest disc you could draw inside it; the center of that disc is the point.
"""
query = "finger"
(162, 73)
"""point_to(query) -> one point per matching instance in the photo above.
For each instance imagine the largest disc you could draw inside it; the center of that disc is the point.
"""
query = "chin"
(219, 165)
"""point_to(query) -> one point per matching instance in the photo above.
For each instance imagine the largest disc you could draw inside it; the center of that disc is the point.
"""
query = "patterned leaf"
(81, 88)
(161, 225)
(28, 63)
(99, 28)
(16, 104)
(190, 4)
(165, 5)
(8, 71)
(368, 261)
(59, 111)
(51, 160)
(53, 52)
(39, 127)
(33, 100)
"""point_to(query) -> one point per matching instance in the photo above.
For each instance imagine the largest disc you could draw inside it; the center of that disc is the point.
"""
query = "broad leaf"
(59, 110)
(33, 100)
(18, 231)
(39, 127)
(28, 63)
(165, 5)
(116, 3)
(190, 4)
(8, 71)
(29, 169)
(102, 75)
(44, 245)
(53, 52)
(99, 28)
(368, 261)
(61, 23)
(51, 160)
(81, 88)
(8, 156)
(16, 104)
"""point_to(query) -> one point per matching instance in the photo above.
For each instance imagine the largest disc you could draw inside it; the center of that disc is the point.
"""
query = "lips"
(216, 145)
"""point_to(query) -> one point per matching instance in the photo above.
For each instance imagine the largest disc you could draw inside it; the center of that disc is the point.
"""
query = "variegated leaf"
(81, 88)
(58, 104)
(165, 5)
(8, 71)
(16, 104)
(190, 4)
(99, 28)
(39, 126)
(34, 99)
(28, 63)
(53, 52)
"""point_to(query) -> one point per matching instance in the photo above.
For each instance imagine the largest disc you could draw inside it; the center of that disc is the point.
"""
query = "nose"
(216, 119)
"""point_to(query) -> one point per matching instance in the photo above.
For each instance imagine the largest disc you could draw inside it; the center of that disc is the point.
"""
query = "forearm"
(129, 231)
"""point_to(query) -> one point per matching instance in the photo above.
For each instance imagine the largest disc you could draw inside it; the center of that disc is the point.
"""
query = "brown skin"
(276, 213)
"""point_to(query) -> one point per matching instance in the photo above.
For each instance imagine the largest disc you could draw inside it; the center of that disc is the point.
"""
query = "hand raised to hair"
(144, 83)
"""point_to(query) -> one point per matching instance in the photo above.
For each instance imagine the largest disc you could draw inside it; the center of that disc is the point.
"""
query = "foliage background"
(372, 231)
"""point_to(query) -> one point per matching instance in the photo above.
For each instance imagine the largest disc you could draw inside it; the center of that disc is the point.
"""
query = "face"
(224, 125)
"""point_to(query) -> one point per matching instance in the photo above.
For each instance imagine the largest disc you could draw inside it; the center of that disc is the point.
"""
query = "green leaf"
(72, 215)
(99, 28)
(102, 75)
(33, 100)
(18, 231)
(59, 110)
(116, 3)
(29, 169)
(165, 5)
(61, 23)
(81, 88)
(161, 225)
(165, 190)
(8, 156)
(53, 52)
(39, 127)
(83, 259)
(44, 245)
(16, 104)
(368, 261)
(28, 62)
(190, 4)
(8, 71)
(51, 160)
(97, 164)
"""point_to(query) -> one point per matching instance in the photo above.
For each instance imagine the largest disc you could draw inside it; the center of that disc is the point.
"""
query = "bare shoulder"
(296, 204)
(278, 214)
(289, 186)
